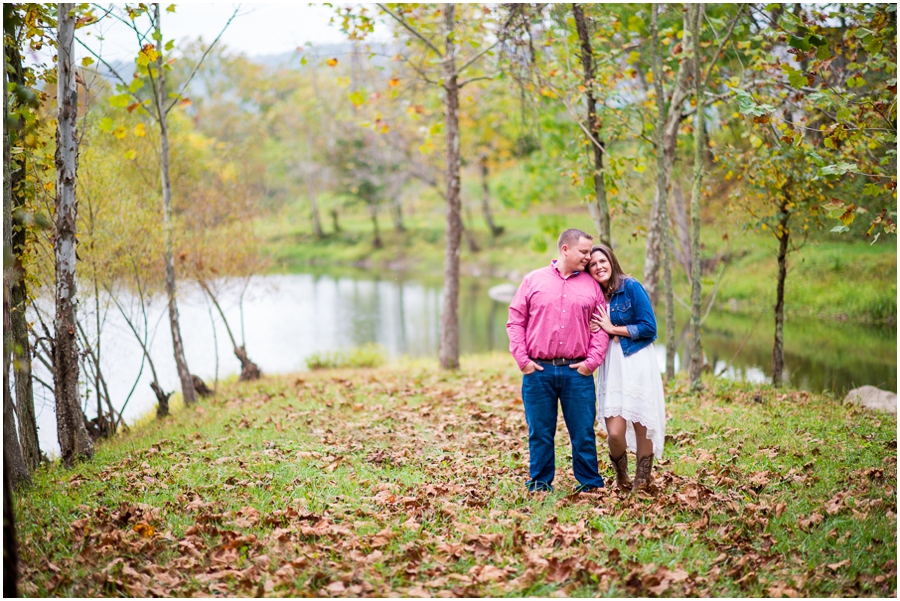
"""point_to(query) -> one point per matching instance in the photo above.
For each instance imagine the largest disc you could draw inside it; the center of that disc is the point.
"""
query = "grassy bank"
(405, 480)
(830, 277)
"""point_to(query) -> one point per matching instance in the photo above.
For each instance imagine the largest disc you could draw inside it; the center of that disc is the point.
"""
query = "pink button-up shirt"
(549, 318)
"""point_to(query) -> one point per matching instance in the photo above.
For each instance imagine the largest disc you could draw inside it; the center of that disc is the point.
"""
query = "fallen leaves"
(412, 483)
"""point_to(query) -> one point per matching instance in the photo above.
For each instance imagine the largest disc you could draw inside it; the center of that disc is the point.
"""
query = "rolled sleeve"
(645, 321)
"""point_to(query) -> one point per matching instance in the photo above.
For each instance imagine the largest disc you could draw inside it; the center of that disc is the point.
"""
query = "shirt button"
(560, 342)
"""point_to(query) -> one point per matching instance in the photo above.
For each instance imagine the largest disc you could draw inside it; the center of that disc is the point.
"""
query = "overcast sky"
(259, 29)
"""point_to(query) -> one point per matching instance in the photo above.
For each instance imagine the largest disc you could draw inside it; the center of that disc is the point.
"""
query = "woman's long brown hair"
(616, 276)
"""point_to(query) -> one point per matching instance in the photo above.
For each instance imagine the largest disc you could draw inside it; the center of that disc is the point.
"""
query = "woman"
(629, 388)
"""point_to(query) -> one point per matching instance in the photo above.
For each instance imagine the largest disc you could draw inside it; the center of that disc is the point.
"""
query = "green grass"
(367, 355)
(406, 479)
(830, 277)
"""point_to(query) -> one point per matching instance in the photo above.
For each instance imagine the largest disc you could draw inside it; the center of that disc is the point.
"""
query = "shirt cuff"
(588, 363)
(633, 331)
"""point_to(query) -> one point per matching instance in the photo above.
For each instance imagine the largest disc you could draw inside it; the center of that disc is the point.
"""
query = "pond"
(286, 318)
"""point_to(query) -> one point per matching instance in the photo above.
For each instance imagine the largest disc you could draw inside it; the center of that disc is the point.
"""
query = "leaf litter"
(410, 481)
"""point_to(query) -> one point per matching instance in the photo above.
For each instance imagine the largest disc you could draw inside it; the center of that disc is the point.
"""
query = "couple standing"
(566, 320)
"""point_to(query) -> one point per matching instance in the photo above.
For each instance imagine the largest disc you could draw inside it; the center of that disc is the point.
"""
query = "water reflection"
(288, 317)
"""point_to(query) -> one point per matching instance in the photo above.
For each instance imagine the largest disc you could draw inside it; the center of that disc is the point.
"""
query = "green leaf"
(105, 125)
(87, 61)
(843, 113)
(120, 101)
(797, 79)
(169, 45)
(823, 53)
(873, 46)
(835, 170)
(131, 154)
(872, 190)
(636, 24)
(817, 41)
(136, 84)
(799, 43)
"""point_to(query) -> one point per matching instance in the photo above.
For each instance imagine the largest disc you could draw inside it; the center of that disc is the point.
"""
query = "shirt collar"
(554, 266)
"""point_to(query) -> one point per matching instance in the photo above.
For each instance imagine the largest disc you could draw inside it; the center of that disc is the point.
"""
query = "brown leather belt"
(558, 362)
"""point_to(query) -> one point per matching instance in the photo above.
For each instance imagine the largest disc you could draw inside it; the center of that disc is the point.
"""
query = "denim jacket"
(630, 306)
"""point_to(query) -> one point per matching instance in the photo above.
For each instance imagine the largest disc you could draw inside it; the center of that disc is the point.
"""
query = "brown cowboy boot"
(642, 472)
(620, 466)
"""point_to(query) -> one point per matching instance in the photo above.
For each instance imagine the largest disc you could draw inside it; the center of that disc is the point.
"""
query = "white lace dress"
(631, 387)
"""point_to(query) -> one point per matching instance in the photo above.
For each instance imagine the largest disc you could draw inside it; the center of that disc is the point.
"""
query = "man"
(550, 339)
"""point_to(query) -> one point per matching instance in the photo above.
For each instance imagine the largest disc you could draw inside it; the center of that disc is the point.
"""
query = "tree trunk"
(486, 197)
(682, 228)
(784, 236)
(14, 462)
(376, 234)
(311, 192)
(600, 211)
(162, 400)
(249, 369)
(334, 221)
(471, 242)
(699, 121)
(10, 546)
(662, 193)
(658, 213)
(12, 451)
(398, 215)
(449, 347)
(74, 441)
(187, 387)
(21, 346)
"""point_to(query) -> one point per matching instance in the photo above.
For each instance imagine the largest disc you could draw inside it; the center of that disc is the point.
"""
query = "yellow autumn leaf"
(139, 130)
(120, 132)
(145, 530)
(131, 154)
(394, 82)
(147, 55)
(332, 62)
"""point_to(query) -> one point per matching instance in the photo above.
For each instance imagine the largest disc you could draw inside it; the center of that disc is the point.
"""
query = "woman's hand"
(600, 320)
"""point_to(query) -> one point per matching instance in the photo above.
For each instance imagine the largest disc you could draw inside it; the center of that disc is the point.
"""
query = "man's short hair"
(571, 236)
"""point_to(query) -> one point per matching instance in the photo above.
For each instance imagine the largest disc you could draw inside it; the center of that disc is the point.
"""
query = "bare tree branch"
(203, 58)
(722, 42)
(481, 77)
(412, 30)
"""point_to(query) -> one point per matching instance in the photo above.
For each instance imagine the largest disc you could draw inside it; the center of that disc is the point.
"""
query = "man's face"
(578, 255)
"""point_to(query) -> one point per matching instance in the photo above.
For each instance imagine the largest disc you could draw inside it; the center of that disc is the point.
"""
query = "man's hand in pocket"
(531, 368)
(582, 369)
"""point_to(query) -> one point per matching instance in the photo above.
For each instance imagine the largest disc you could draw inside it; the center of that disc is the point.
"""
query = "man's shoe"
(586, 488)
(539, 487)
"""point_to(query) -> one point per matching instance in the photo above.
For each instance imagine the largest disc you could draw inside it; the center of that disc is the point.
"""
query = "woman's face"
(599, 268)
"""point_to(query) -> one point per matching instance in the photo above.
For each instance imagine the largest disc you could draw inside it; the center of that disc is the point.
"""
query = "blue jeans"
(540, 392)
